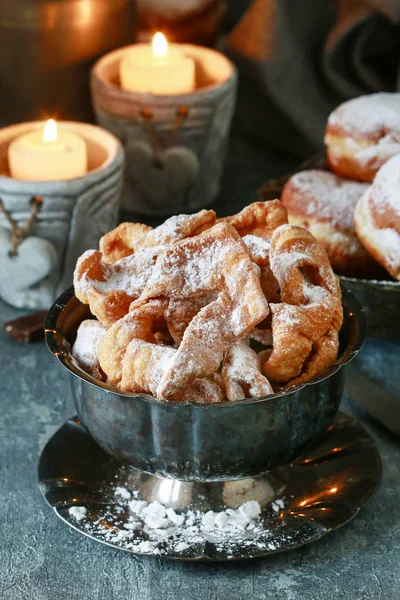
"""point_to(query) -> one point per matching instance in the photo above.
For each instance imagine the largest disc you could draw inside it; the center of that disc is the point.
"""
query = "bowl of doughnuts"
(207, 349)
(350, 201)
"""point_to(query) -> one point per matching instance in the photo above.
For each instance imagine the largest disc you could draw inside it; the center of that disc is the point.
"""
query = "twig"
(157, 143)
(19, 233)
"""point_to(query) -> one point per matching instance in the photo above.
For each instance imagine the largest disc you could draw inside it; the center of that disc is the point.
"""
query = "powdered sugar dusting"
(178, 227)
(385, 190)
(78, 512)
(368, 115)
(190, 272)
(287, 260)
(375, 155)
(324, 196)
(386, 240)
(258, 247)
(314, 293)
(129, 274)
(86, 346)
(154, 528)
(241, 373)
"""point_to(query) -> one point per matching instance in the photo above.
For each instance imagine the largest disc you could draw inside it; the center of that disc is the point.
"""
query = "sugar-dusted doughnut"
(362, 134)
(377, 217)
(324, 204)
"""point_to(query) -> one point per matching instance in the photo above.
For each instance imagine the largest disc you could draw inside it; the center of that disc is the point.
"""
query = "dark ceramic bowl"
(381, 302)
(203, 442)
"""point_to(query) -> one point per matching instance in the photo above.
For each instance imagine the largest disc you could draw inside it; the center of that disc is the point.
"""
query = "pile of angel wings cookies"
(208, 310)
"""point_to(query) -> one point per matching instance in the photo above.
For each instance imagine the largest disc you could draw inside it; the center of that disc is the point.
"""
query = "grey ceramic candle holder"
(175, 145)
(74, 215)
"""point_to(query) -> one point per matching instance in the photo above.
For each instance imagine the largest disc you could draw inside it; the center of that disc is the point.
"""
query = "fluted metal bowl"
(203, 442)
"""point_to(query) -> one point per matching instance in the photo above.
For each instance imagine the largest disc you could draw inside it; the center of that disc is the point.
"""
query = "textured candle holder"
(175, 145)
(74, 214)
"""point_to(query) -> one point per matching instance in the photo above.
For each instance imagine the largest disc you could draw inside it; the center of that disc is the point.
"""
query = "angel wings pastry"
(208, 310)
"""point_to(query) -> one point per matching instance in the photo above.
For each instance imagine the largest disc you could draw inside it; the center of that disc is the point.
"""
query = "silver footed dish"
(203, 442)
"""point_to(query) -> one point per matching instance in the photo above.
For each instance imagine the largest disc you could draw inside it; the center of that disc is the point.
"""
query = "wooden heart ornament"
(164, 184)
(34, 262)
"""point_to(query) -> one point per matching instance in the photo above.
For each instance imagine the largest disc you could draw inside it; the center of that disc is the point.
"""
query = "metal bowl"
(203, 442)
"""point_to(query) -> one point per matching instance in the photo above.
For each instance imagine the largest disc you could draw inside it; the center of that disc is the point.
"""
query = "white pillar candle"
(159, 68)
(47, 155)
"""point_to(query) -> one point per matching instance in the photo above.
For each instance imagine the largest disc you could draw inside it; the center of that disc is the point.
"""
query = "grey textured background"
(42, 559)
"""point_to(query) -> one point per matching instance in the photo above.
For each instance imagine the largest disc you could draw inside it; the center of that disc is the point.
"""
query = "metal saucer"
(319, 492)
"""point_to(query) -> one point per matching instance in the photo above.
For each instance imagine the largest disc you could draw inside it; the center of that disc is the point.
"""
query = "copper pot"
(48, 48)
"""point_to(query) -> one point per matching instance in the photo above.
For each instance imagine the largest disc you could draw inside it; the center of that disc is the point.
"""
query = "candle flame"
(159, 44)
(50, 131)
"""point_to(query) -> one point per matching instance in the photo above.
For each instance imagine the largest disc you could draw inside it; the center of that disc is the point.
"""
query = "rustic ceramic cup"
(74, 215)
(184, 175)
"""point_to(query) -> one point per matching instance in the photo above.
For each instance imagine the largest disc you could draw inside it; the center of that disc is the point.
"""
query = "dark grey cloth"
(297, 60)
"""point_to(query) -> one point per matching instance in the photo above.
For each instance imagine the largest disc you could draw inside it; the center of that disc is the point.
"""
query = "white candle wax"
(159, 68)
(48, 155)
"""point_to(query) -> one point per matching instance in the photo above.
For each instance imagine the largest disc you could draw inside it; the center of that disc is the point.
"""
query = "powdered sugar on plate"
(154, 528)
(77, 512)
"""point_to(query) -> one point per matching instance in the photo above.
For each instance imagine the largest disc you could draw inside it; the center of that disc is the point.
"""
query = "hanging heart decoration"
(165, 180)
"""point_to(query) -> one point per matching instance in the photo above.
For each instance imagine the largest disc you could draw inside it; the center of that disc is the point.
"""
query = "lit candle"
(47, 155)
(161, 68)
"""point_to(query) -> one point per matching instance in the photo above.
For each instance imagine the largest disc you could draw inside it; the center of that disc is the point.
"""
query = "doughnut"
(324, 204)
(362, 134)
(377, 217)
